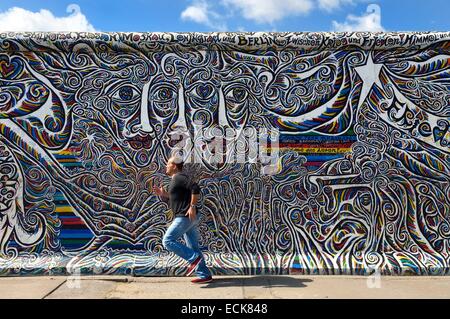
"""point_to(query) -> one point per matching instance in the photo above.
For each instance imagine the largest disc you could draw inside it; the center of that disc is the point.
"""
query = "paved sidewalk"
(245, 287)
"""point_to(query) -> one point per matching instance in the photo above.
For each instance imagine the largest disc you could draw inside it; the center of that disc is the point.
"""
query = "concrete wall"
(357, 178)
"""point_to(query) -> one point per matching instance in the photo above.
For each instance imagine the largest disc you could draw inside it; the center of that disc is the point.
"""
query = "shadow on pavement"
(262, 281)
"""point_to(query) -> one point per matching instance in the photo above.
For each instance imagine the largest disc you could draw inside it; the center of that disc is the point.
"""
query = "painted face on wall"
(186, 91)
(293, 92)
(172, 94)
(192, 92)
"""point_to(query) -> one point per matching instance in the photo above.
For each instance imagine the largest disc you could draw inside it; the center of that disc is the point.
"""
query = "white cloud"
(371, 21)
(201, 13)
(19, 19)
(269, 11)
(329, 5)
(198, 12)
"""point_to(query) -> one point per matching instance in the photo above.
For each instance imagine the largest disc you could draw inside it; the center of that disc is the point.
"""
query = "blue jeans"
(182, 226)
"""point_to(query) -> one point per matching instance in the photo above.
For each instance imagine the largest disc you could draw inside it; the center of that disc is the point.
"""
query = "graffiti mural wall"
(363, 169)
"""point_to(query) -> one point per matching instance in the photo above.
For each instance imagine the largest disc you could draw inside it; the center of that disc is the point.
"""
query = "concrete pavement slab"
(227, 287)
(261, 287)
(28, 287)
(347, 287)
(256, 287)
(177, 288)
(84, 289)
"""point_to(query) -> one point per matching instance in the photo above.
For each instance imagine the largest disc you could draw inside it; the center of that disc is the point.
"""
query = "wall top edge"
(247, 41)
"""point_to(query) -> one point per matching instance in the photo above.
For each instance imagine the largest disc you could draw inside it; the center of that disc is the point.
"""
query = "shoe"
(193, 266)
(201, 280)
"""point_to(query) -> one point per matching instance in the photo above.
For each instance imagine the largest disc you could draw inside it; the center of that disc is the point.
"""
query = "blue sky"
(225, 15)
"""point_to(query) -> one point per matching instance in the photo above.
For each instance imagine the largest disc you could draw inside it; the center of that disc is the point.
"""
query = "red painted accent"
(72, 221)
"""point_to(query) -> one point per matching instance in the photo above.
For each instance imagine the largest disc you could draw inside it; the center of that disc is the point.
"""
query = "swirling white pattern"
(87, 121)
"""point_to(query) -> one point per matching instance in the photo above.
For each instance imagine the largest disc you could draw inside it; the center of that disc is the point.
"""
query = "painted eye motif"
(237, 95)
(203, 91)
(164, 99)
(163, 94)
(125, 94)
